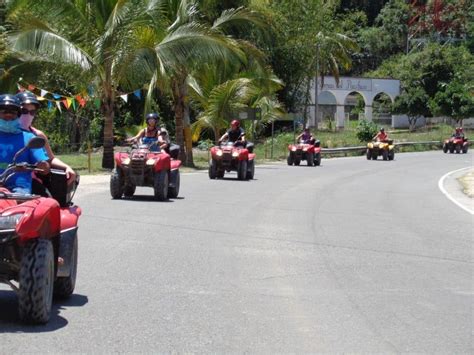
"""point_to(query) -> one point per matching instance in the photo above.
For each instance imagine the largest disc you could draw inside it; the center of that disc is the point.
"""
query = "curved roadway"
(353, 256)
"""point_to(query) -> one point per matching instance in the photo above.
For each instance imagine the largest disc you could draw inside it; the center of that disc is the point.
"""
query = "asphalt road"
(353, 256)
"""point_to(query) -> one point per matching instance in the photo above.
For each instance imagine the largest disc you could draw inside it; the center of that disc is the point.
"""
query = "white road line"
(448, 195)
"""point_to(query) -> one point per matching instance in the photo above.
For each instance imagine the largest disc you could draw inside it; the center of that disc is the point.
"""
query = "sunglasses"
(24, 111)
(8, 111)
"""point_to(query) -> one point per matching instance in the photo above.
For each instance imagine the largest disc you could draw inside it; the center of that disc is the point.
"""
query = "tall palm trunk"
(183, 133)
(108, 109)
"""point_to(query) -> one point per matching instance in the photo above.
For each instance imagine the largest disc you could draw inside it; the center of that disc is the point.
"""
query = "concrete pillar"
(368, 113)
(340, 116)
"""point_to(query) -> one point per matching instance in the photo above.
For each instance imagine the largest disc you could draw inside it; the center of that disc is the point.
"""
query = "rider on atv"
(12, 139)
(235, 134)
(381, 136)
(151, 134)
(306, 137)
(29, 107)
(458, 133)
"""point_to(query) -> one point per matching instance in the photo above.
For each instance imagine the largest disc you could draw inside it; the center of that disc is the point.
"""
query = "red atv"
(458, 144)
(311, 152)
(232, 157)
(142, 166)
(38, 243)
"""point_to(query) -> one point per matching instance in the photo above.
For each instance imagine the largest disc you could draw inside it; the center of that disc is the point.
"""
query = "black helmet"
(382, 129)
(9, 101)
(27, 97)
(153, 116)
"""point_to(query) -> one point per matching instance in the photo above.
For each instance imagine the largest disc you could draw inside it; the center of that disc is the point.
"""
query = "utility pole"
(316, 94)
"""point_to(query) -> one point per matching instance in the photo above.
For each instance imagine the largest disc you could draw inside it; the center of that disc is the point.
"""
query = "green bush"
(366, 130)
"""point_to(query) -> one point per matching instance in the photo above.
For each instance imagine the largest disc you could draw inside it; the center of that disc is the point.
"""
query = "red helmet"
(235, 123)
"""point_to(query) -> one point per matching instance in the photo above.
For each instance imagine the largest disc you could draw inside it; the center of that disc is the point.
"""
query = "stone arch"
(382, 108)
(352, 101)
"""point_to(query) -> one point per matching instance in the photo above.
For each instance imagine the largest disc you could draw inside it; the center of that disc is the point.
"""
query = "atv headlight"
(293, 149)
(10, 222)
(305, 149)
(235, 154)
(150, 162)
(126, 161)
(219, 153)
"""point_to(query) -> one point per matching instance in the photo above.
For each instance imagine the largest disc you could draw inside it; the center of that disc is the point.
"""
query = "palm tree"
(98, 36)
(204, 44)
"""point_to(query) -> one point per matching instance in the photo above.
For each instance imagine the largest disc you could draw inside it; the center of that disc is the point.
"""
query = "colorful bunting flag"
(124, 97)
(50, 106)
(97, 103)
(31, 87)
(56, 96)
(43, 93)
(58, 104)
(138, 93)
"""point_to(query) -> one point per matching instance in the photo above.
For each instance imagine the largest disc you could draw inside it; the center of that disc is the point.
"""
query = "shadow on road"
(10, 321)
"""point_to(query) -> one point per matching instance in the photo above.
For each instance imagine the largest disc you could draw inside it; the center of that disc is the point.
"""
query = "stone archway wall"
(367, 87)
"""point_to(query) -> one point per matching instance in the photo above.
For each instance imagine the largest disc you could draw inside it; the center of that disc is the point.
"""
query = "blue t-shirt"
(9, 145)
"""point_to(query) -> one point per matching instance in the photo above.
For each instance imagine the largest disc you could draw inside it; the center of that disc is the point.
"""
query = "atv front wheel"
(464, 149)
(290, 159)
(35, 296)
(242, 170)
(250, 169)
(116, 184)
(310, 159)
(212, 169)
(368, 154)
(64, 286)
(317, 159)
(384, 155)
(173, 190)
(391, 155)
(458, 148)
(451, 148)
(161, 185)
(445, 148)
(297, 161)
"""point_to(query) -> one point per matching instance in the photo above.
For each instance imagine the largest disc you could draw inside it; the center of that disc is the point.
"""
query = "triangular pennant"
(43, 93)
(56, 96)
(69, 102)
(50, 106)
(58, 104)
(78, 97)
(90, 90)
(82, 102)
(20, 88)
(138, 93)
(124, 97)
(73, 103)
(31, 87)
(66, 103)
(97, 103)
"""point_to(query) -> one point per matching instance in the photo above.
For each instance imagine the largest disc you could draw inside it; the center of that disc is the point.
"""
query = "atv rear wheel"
(161, 185)
(464, 149)
(129, 190)
(212, 169)
(116, 184)
(242, 170)
(64, 286)
(35, 296)
(310, 159)
(250, 169)
(368, 154)
(173, 191)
